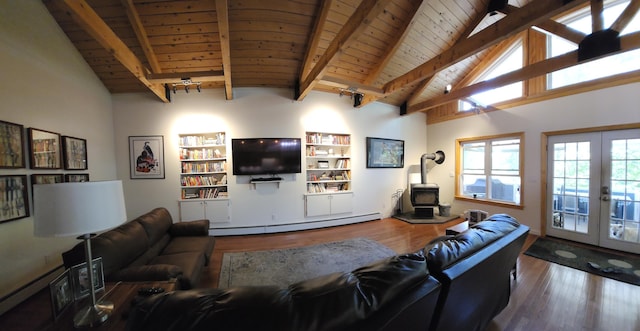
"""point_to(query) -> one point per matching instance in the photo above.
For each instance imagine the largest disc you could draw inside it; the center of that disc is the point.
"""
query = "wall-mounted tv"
(266, 156)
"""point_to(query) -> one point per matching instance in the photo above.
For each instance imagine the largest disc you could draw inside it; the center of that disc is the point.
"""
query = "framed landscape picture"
(11, 145)
(146, 157)
(385, 153)
(74, 153)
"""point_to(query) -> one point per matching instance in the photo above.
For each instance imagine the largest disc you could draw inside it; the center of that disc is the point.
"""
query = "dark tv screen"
(265, 156)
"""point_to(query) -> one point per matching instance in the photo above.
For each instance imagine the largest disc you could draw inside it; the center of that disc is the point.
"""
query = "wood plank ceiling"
(394, 51)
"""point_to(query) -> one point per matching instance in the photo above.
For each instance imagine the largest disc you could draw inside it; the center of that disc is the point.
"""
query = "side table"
(121, 295)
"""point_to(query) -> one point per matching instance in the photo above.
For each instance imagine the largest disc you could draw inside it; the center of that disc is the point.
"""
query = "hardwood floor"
(545, 296)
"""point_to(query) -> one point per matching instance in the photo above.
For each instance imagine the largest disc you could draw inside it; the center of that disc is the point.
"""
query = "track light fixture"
(447, 89)
(187, 82)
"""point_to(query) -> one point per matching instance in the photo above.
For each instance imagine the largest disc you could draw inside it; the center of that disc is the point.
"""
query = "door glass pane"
(624, 221)
(571, 186)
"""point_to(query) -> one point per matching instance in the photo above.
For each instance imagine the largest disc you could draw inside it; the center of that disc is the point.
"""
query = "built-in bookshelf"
(203, 164)
(328, 162)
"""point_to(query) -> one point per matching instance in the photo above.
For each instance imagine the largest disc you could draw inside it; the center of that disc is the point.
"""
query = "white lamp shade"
(70, 209)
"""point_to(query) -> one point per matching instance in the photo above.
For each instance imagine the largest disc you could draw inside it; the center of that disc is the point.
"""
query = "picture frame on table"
(146, 157)
(74, 153)
(80, 278)
(44, 147)
(11, 145)
(61, 294)
(385, 153)
(72, 178)
(14, 202)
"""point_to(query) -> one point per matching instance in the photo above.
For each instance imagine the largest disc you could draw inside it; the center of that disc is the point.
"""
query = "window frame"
(487, 172)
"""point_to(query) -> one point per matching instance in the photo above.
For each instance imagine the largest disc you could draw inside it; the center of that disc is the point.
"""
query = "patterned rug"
(622, 267)
(282, 267)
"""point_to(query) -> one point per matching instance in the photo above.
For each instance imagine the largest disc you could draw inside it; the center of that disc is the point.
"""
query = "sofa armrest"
(152, 272)
(191, 228)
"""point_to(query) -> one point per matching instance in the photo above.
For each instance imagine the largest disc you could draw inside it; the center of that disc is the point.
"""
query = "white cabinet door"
(318, 205)
(341, 203)
(191, 210)
(217, 211)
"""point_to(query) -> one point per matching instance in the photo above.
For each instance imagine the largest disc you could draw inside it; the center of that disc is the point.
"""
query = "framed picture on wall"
(11, 145)
(14, 202)
(385, 153)
(46, 179)
(146, 157)
(76, 178)
(74, 152)
(45, 149)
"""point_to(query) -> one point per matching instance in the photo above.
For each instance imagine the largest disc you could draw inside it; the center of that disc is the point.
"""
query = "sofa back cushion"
(440, 255)
(331, 302)
(120, 246)
(156, 223)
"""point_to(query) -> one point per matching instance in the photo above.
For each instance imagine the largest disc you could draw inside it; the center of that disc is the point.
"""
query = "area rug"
(282, 267)
(410, 217)
(622, 267)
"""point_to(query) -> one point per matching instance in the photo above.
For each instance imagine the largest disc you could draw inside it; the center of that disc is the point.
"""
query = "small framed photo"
(47, 179)
(61, 294)
(70, 178)
(14, 202)
(74, 153)
(45, 149)
(385, 153)
(11, 145)
(146, 157)
(80, 278)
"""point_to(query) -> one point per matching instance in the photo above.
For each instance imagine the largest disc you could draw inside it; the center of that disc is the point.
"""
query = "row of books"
(210, 193)
(200, 154)
(328, 139)
(217, 139)
(188, 168)
(329, 176)
(202, 180)
(327, 188)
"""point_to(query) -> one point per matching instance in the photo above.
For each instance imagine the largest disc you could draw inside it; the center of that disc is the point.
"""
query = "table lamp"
(82, 208)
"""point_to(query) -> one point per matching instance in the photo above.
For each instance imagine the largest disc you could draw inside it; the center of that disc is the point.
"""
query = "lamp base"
(91, 316)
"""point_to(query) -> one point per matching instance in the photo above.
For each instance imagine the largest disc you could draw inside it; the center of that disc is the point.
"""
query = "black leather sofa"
(151, 248)
(455, 283)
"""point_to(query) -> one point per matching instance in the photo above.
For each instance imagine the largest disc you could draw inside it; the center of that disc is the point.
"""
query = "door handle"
(605, 198)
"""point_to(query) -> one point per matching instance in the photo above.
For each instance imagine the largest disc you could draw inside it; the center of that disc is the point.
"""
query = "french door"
(593, 191)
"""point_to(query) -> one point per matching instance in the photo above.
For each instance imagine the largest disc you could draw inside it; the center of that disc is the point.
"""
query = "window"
(509, 61)
(608, 66)
(490, 168)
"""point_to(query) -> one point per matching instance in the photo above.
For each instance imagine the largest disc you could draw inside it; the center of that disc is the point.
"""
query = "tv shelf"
(203, 164)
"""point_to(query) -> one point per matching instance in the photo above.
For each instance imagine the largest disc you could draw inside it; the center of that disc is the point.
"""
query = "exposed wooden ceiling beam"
(627, 15)
(345, 84)
(515, 22)
(316, 32)
(627, 43)
(415, 10)
(222, 11)
(177, 77)
(361, 18)
(597, 17)
(87, 18)
(138, 28)
(562, 31)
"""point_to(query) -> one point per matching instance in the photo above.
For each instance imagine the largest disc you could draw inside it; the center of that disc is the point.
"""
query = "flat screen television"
(266, 156)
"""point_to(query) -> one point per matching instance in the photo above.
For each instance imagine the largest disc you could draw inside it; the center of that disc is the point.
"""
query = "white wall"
(47, 85)
(612, 106)
(263, 112)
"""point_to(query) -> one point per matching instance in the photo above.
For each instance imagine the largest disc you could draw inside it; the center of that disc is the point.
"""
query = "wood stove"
(424, 198)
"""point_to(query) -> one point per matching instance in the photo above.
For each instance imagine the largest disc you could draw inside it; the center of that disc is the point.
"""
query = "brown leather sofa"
(151, 248)
(456, 283)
